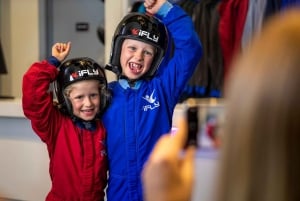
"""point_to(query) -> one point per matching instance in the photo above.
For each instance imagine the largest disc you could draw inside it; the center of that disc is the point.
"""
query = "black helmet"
(78, 69)
(140, 27)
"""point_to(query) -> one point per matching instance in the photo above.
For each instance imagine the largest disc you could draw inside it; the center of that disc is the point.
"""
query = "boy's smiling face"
(85, 99)
(136, 58)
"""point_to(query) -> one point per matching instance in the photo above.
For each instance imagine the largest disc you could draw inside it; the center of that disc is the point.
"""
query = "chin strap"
(114, 69)
(88, 125)
(118, 72)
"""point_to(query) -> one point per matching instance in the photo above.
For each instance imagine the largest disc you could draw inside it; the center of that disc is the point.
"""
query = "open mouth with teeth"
(135, 68)
(88, 112)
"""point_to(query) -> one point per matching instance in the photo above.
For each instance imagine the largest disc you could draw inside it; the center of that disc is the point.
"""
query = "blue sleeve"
(164, 9)
(54, 61)
(187, 52)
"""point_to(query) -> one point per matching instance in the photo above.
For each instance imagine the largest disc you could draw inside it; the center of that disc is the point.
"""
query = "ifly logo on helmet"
(146, 34)
(84, 73)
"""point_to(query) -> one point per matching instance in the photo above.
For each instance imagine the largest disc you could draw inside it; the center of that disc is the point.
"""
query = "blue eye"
(132, 48)
(148, 53)
(79, 97)
(95, 95)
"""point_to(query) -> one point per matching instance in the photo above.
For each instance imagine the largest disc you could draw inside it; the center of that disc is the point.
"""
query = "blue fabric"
(199, 91)
(215, 93)
(289, 3)
(136, 118)
(54, 61)
(164, 9)
(142, 9)
(126, 85)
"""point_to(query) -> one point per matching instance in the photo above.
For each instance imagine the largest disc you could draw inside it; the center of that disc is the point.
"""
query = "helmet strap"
(88, 125)
(115, 69)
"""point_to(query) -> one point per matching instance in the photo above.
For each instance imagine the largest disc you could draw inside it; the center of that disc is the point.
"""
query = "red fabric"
(231, 25)
(78, 166)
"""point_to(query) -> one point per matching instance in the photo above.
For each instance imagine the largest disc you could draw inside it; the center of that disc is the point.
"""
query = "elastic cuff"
(164, 9)
(54, 61)
(215, 93)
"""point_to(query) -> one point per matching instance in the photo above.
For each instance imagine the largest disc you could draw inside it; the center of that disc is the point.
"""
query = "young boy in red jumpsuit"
(73, 135)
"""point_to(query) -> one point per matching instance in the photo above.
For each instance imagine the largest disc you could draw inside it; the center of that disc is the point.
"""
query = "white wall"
(20, 40)
(20, 170)
(23, 157)
(113, 14)
(24, 170)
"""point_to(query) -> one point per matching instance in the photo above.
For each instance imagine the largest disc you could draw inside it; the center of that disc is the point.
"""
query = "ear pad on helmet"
(68, 105)
(106, 96)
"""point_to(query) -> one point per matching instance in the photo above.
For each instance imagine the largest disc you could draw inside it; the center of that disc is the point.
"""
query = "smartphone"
(193, 126)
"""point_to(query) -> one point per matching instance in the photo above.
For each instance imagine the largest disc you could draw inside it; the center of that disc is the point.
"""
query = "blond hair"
(260, 158)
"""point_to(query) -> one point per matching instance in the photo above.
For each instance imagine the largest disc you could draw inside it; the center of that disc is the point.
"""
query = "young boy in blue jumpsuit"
(143, 99)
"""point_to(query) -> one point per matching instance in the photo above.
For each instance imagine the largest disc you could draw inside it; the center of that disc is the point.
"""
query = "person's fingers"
(169, 146)
(180, 136)
(57, 46)
(161, 150)
(188, 167)
(149, 3)
(67, 46)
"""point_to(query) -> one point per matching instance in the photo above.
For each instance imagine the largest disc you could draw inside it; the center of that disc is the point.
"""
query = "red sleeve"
(37, 102)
